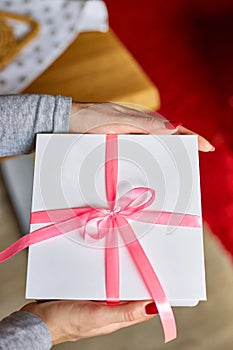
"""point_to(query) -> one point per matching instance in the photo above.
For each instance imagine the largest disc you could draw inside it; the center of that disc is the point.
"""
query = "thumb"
(128, 312)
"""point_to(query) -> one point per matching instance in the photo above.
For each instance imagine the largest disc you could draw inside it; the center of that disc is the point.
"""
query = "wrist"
(76, 107)
(38, 310)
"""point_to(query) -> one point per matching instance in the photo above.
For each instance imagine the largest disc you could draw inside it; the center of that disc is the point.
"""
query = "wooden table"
(95, 68)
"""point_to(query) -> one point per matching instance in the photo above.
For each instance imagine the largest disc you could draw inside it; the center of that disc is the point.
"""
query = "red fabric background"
(186, 48)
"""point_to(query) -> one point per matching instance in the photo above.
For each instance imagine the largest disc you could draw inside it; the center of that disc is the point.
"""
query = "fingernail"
(172, 125)
(212, 149)
(151, 309)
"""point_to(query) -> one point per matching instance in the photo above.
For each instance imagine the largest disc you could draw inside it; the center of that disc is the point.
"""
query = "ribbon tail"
(149, 277)
(27, 240)
(57, 215)
(39, 235)
(112, 274)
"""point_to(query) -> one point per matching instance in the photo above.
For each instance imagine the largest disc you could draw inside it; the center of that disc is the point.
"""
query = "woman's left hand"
(112, 118)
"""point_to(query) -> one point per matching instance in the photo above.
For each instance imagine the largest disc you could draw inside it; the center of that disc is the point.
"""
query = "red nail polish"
(172, 125)
(151, 309)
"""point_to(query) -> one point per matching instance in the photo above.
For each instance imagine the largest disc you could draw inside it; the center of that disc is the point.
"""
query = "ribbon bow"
(108, 223)
(128, 206)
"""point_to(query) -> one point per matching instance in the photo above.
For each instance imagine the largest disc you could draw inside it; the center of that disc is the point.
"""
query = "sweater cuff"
(62, 110)
(24, 330)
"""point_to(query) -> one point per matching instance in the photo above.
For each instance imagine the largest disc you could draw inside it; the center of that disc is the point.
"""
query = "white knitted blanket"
(60, 23)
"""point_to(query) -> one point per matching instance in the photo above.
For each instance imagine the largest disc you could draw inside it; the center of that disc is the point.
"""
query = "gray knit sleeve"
(24, 331)
(23, 116)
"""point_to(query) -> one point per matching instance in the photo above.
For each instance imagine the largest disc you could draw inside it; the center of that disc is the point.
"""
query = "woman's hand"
(111, 118)
(70, 320)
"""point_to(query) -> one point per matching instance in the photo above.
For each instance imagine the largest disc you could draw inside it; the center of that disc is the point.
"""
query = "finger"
(116, 326)
(137, 125)
(203, 144)
(132, 109)
(125, 313)
(150, 121)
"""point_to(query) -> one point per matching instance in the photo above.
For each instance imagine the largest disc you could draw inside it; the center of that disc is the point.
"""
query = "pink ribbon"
(109, 222)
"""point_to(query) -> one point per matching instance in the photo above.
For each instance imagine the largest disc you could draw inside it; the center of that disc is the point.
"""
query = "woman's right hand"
(71, 320)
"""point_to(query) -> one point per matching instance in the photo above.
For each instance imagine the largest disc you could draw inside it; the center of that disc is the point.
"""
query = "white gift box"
(70, 172)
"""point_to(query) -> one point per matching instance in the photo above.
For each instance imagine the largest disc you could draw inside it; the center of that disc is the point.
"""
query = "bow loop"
(97, 229)
(135, 200)
(132, 202)
(96, 226)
